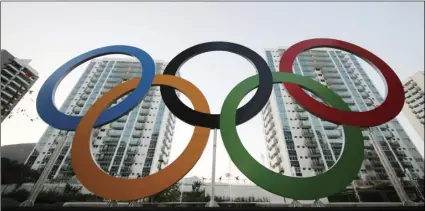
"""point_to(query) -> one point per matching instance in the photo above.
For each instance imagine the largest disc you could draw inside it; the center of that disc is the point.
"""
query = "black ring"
(244, 113)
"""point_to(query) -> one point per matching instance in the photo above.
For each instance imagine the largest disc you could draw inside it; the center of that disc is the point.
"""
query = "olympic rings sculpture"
(337, 111)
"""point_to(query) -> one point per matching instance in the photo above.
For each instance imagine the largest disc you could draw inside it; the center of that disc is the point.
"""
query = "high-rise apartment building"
(135, 145)
(302, 145)
(414, 104)
(17, 77)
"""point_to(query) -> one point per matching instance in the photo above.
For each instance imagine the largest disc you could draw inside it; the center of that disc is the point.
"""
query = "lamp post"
(212, 202)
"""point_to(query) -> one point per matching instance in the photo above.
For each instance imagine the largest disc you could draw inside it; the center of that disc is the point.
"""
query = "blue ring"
(45, 100)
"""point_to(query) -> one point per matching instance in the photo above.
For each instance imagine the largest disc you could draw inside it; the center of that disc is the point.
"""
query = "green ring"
(329, 183)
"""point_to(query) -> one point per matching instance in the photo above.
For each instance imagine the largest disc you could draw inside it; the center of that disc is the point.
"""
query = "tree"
(196, 186)
(197, 194)
(70, 190)
(13, 172)
(171, 194)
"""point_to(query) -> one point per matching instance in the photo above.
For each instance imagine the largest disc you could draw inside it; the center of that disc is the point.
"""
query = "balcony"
(118, 125)
(299, 108)
(388, 134)
(131, 152)
(368, 165)
(357, 82)
(7, 94)
(142, 118)
(109, 85)
(369, 102)
(310, 143)
(91, 85)
(360, 88)
(25, 82)
(364, 95)
(104, 159)
(122, 119)
(137, 134)
(305, 124)
(94, 79)
(146, 105)
(313, 75)
(344, 94)
(12, 89)
(144, 113)
(113, 81)
(81, 103)
(134, 142)
(110, 141)
(165, 151)
(410, 100)
(338, 88)
(313, 153)
(139, 126)
(335, 81)
(317, 164)
(84, 96)
(333, 133)
(107, 150)
(167, 145)
(332, 76)
(274, 152)
(276, 160)
(407, 164)
(302, 116)
(125, 169)
(376, 163)
(114, 133)
(400, 153)
(330, 71)
(272, 143)
(307, 133)
(329, 125)
(8, 71)
(129, 159)
(349, 101)
(370, 154)
(77, 110)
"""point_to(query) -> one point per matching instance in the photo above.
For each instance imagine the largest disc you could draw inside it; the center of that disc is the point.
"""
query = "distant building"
(300, 144)
(136, 145)
(17, 77)
(414, 104)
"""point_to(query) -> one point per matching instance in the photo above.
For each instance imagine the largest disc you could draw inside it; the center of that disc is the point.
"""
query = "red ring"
(385, 112)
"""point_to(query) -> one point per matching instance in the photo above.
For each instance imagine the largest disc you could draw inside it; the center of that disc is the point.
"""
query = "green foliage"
(199, 195)
(196, 186)
(171, 194)
(13, 172)
(70, 194)
(18, 195)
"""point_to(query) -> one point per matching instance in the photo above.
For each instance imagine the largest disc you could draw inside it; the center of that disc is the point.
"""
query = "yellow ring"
(102, 184)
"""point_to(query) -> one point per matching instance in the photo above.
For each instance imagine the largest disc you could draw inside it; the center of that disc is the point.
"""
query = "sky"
(52, 33)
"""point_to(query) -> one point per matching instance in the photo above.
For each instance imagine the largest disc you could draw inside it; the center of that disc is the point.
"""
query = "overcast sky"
(52, 33)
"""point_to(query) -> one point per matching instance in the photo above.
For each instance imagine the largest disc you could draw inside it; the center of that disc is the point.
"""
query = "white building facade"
(414, 104)
(17, 77)
(300, 144)
(135, 145)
